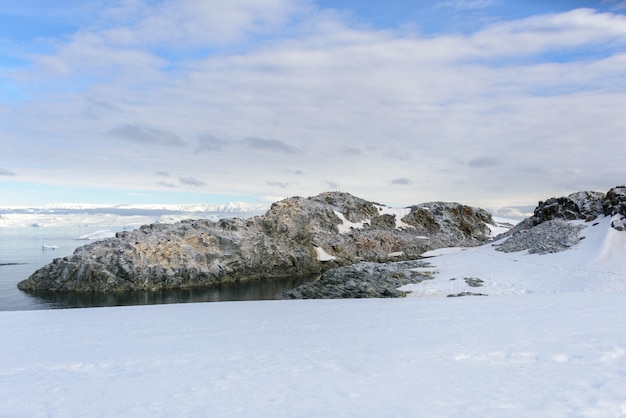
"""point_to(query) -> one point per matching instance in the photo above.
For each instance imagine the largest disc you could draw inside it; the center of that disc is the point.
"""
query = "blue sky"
(496, 103)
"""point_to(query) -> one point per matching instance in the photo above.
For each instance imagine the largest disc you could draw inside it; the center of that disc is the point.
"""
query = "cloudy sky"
(493, 103)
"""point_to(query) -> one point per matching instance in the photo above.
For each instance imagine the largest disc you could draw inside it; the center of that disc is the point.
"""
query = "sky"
(493, 103)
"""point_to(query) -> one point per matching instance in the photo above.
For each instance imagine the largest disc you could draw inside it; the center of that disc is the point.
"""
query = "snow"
(513, 356)
(323, 255)
(502, 225)
(596, 263)
(104, 233)
(345, 226)
(548, 341)
(398, 213)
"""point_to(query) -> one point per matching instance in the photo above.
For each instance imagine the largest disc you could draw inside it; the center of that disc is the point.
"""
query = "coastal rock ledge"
(296, 237)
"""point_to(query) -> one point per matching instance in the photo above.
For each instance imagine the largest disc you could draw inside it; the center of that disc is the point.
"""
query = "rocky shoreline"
(360, 248)
(296, 237)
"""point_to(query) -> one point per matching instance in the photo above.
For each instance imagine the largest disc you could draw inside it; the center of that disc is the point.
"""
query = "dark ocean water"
(22, 252)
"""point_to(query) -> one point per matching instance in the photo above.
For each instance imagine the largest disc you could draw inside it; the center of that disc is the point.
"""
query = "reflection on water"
(267, 289)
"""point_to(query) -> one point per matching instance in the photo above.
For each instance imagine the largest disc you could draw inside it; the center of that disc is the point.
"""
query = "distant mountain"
(115, 208)
(72, 214)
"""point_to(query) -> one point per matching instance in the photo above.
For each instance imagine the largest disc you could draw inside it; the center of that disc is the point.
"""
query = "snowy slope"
(551, 355)
(597, 262)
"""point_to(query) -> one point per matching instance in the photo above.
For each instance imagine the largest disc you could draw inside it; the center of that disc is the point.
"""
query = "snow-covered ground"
(550, 355)
(596, 263)
(548, 341)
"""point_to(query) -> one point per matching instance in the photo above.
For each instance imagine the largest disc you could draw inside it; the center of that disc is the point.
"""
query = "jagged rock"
(296, 237)
(584, 205)
(547, 230)
(614, 203)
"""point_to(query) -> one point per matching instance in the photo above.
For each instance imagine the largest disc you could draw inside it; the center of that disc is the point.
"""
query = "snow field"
(549, 355)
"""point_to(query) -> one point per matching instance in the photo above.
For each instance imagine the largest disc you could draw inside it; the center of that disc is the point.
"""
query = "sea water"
(23, 250)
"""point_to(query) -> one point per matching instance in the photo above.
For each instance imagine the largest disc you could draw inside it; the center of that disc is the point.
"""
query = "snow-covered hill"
(596, 263)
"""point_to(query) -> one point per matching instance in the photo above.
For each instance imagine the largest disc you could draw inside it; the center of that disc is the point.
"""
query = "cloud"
(544, 34)
(350, 151)
(144, 134)
(189, 22)
(167, 184)
(330, 185)
(279, 184)
(162, 174)
(210, 143)
(616, 4)
(516, 211)
(481, 162)
(286, 89)
(190, 181)
(270, 145)
(5, 172)
(402, 182)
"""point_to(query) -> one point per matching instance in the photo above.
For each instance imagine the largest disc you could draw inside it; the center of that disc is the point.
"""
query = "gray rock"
(362, 280)
(548, 237)
(456, 295)
(546, 231)
(296, 237)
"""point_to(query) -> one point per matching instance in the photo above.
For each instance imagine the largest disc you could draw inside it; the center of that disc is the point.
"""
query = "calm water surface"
(22, 252)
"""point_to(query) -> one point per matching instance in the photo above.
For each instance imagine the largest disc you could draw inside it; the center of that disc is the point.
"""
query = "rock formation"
(297, 236)
(362, 280)
(547, 231)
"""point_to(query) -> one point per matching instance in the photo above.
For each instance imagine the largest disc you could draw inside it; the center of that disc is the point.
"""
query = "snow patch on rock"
(345, 226)
(323, 255)
(397, 213)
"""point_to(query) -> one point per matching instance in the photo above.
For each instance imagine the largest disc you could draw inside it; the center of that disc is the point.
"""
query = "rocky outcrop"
(296, 237)
(362, 280)
(584, 205)
(551, 236)
(547, 230)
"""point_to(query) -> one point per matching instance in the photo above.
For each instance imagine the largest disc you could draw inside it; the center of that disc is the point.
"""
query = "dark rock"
(548, 237)
(474, 282)
(614, 203)
(362, 280)
(456, 295)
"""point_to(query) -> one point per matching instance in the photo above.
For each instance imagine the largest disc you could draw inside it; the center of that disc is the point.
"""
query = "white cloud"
(437, 108)
(190, 22)
(544, 33)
